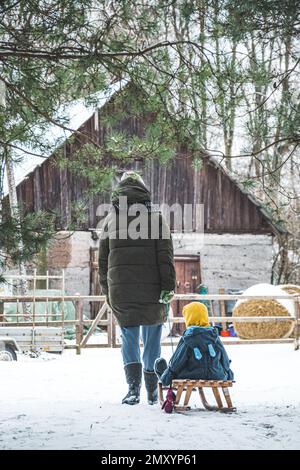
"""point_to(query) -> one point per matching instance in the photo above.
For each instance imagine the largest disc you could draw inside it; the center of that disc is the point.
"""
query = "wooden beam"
(97, 298)
(242, 319)
(222, 308)
(297, 329)
(94, 325)
(79, 324)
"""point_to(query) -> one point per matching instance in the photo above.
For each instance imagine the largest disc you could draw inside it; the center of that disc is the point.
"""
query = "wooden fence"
(79, 321)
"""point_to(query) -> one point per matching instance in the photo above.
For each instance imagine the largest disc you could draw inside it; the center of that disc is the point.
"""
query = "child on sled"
(200, 353)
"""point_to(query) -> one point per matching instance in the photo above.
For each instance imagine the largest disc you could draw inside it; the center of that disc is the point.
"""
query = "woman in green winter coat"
(138, 277)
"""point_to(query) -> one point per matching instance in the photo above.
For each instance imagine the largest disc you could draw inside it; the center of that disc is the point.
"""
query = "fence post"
(222, 308)
(109, 327)
(1, 311)
(79, 323)
(113, 331)
(296, 330)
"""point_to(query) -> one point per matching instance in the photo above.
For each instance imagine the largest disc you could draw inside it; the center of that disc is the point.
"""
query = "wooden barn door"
(188, 278)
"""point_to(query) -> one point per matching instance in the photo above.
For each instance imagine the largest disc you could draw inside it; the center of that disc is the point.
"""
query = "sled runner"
(188, 386)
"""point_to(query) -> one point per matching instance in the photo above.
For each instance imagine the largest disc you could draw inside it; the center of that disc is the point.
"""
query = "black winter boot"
(133, 374)
(151, 386)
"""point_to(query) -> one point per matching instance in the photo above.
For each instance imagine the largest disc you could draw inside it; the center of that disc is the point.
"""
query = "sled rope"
(170, 327)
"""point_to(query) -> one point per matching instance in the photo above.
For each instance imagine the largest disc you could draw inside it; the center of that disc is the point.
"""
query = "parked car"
(8, 349)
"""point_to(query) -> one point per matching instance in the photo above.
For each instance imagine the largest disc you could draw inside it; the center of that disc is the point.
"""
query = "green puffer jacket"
(134, 271)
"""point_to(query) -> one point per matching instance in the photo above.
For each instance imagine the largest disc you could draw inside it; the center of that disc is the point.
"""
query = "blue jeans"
(151, 336)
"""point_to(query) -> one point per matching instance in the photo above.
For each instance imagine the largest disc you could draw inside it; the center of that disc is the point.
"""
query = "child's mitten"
(169, 403)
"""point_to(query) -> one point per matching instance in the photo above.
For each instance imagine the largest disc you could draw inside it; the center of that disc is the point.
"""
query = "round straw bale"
(290, 288)
(264, 308)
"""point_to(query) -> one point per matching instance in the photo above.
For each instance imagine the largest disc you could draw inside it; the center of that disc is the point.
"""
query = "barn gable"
(227, 208)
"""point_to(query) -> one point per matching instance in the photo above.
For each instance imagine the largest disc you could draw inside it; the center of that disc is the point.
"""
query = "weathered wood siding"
(226, 208)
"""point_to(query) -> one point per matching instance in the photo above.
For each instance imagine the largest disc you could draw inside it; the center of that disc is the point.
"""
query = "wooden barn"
(234, 252)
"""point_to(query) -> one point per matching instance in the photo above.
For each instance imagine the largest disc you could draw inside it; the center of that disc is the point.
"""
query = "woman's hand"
(166, 296)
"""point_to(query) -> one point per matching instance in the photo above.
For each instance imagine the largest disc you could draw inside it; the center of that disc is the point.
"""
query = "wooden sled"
(188, 386)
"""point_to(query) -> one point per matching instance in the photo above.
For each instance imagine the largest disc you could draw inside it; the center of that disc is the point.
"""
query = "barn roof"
(71, 115)
(80, 117)
(276, 226)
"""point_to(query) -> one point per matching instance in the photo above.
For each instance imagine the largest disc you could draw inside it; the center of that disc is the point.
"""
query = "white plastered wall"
(227, 260)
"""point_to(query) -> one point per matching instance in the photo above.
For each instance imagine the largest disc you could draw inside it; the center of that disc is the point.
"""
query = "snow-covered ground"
(73, 402)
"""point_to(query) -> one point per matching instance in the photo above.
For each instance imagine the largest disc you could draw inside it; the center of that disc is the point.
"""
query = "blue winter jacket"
(200, 354)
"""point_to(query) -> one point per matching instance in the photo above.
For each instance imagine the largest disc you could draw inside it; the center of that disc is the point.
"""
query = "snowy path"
(73, 402)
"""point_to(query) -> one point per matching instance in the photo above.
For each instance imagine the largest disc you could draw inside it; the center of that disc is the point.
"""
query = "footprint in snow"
(271, 434)
(267, 426)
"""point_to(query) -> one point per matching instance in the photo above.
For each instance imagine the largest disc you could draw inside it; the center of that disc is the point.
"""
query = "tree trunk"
(14, 210)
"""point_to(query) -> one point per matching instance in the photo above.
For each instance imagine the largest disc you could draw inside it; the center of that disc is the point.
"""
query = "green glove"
(166, 296)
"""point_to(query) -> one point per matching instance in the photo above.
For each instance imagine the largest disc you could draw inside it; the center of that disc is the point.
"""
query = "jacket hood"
(195, 334)
(133, 189)
(195, 314)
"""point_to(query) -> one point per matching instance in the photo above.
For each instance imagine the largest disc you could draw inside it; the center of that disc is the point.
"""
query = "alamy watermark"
(147, 221)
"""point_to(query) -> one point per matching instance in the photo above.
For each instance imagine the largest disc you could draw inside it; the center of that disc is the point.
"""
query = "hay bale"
(290, 288)
(264, 308)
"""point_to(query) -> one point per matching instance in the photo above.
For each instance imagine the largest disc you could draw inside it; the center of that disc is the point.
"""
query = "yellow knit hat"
(195, 314)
